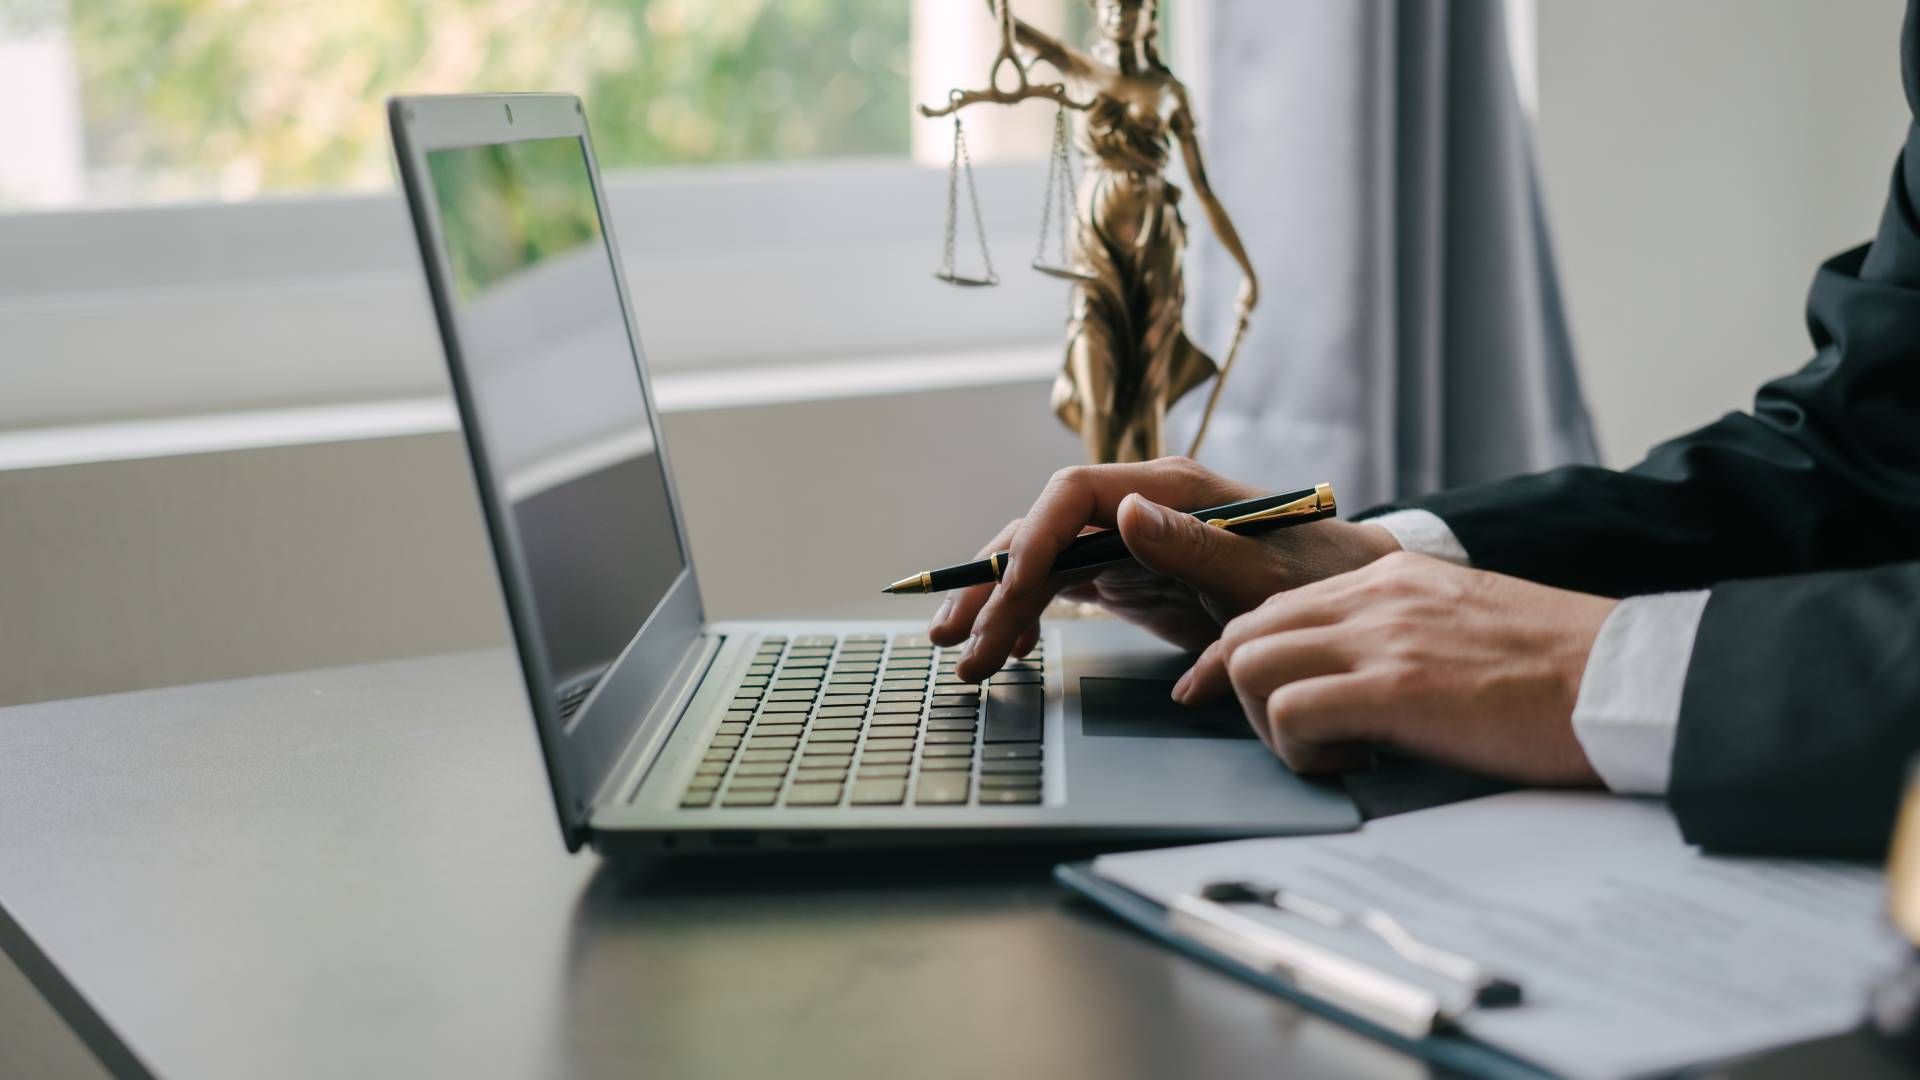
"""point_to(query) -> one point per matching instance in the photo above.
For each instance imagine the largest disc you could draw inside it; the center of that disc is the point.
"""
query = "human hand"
(1186, 578)
(1463, 666)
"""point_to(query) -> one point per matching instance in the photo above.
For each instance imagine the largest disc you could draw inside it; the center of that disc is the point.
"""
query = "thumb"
(1183, 547)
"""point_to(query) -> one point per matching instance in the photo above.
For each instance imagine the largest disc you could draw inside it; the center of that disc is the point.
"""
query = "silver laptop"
(664, 732)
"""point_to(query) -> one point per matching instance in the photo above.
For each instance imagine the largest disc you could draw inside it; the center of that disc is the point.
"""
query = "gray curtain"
(1379, 167)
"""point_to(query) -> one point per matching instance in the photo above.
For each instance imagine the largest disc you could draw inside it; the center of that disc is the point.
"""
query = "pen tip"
(918, 583)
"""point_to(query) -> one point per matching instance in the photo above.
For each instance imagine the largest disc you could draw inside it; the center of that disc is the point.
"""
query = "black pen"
(1105, 547)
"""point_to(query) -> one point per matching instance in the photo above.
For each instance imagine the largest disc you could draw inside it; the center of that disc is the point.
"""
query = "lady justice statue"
(1128, 356)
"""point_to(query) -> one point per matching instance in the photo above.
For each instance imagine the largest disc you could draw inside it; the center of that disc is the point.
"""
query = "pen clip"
(1486, 989)
(1320, 502)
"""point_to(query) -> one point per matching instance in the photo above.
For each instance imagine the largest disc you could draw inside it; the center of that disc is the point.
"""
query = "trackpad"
(1143, 709)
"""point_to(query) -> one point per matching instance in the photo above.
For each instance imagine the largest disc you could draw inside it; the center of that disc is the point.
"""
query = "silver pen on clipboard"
(1396, 1004)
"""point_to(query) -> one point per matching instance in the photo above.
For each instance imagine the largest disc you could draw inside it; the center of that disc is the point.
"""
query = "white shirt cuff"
(1423, 533)
(1629, 705)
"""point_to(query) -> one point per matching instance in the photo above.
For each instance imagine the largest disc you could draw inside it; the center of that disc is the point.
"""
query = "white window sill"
(682, 391)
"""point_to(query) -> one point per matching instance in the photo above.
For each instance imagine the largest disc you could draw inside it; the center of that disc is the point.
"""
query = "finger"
(1210, 560)
(1027, 640)
(1307, 606)
(1073, 499)
(1266, 664)
(952, 622)
(1326, 724)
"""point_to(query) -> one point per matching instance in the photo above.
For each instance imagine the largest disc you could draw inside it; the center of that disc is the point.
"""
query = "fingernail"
(1153, 520)
(1180, 688)
(966, 651)
(946, 609)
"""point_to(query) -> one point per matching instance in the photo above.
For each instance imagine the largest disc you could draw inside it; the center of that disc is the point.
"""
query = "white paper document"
(1637, 954)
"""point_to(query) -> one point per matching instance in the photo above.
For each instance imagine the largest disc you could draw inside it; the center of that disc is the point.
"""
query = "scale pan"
(964, 280)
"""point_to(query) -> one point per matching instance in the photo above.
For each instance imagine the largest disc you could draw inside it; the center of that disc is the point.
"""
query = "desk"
(356, 872)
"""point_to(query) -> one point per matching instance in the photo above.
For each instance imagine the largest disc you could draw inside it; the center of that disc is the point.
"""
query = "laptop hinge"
(660, 722)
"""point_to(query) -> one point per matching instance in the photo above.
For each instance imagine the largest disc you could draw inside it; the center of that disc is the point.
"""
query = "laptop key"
(814, 794)
(1010, 752)
(947, 750)
(1009, 796)
(751, 798)
(1012, 713)
(723, 741)
(745, 783)
(934, 736)
(881, 772)
(813, 774)
(876, 742)
(761, 768)
(1017, 678)
(731, 728)
(946, 764)
(766, 754)
(1007, 780)
(885, 757)
(941, 789)
(955, 701)
(722, 754)
(832, 737)
(824, 722)
(878, 792)
(694, 799)
(953, 713)
(1023, 767)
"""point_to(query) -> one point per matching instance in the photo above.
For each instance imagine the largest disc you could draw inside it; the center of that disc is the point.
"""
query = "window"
(158, 100)
(224, 233)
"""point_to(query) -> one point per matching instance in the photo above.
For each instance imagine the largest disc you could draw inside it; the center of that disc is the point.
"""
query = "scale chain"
(973, 196)
(1060, 190)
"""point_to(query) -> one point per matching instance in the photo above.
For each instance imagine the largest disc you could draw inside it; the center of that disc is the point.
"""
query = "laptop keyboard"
(865, 720)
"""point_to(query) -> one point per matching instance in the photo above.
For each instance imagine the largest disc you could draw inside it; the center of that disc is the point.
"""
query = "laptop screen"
(553, 378)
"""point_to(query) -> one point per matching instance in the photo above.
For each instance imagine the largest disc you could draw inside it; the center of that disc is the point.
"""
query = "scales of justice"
(1121, 237)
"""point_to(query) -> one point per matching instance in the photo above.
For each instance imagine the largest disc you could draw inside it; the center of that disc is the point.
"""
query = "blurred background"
(225, 443)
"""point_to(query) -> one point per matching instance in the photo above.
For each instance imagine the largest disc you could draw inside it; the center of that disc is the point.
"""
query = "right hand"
(1186, 578)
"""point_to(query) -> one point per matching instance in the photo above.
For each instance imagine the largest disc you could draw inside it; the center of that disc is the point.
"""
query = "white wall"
(1700, 158)
(129, 574)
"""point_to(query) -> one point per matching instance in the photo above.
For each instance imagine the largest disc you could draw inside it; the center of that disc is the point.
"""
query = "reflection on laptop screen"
(553, 377)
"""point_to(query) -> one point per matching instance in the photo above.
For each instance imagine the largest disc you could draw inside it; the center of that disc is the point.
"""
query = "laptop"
(665, 732)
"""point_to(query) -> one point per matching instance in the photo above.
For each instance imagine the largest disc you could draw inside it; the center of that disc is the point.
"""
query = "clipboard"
(1446, 1048)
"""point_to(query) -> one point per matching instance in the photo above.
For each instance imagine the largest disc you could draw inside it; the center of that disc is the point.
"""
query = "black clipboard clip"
(1400, 1005)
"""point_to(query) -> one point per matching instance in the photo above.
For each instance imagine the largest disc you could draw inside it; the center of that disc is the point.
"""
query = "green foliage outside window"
(232, 97)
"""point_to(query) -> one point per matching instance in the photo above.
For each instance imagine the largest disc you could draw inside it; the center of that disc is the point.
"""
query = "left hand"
(1463, 666)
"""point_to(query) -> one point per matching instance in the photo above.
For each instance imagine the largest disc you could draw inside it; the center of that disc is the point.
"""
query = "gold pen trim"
(921, 582)
(1320, 502)
(997, 562)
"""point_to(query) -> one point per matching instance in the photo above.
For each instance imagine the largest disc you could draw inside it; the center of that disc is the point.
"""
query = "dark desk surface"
(356, 872)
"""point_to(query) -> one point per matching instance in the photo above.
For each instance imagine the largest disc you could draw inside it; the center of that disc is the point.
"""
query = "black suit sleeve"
(1801, 711)
(1802, 698)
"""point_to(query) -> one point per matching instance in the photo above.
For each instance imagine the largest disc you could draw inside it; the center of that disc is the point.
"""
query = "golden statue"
(1128, 355)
